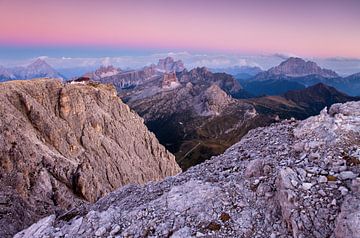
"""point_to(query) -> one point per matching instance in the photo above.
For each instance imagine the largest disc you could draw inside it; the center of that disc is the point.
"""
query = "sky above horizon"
(224, 33)
(322, 28)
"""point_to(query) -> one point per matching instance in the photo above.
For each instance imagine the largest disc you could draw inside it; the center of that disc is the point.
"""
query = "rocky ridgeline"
(63, 145)
(297, 67)
(292, 179)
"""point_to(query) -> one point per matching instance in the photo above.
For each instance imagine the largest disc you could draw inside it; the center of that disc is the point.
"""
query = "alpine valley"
(197, 113)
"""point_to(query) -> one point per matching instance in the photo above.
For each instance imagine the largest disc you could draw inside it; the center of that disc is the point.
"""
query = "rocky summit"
(295, 74)
(291, 179)
(65, 145)
(170, 65)
(297, 67)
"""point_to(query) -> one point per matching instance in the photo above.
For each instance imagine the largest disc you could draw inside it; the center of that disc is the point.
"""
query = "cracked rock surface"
(64, 145)
(292, 179)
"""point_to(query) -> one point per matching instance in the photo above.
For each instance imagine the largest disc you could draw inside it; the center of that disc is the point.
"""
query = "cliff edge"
(63, 145)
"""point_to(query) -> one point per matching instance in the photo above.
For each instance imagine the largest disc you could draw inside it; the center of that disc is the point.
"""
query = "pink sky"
(319, 28)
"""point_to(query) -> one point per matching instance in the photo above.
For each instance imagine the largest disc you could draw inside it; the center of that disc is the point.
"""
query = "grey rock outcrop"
(63, 145)
(278, 181)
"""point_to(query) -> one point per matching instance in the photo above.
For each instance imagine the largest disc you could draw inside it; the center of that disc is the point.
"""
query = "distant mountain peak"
(294, 60)
(297, 67)
(168, 64)
(39, 61)
(40, 64)
(37, 69)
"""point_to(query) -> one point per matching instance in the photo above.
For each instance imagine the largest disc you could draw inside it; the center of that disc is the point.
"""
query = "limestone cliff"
(65, 144)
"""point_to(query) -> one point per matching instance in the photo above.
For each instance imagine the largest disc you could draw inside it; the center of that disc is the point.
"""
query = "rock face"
(63, 145)
(280, 181)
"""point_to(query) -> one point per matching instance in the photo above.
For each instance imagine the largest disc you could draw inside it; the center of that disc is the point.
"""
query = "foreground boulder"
(63, 145)
(292, 179)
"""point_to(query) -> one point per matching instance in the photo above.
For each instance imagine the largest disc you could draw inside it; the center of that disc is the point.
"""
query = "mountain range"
(197, 114)
(38, 69)
(296, 73)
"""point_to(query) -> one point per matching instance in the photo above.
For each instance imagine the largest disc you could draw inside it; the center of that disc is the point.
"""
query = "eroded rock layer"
(65, 144)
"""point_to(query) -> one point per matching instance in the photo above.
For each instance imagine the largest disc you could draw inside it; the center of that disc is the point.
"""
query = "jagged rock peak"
(297, 67)
(292, 179)
(39, 67)
(63, 145)
(169, 65)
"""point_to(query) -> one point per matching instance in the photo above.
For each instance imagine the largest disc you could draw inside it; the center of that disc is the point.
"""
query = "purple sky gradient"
(318, 28)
